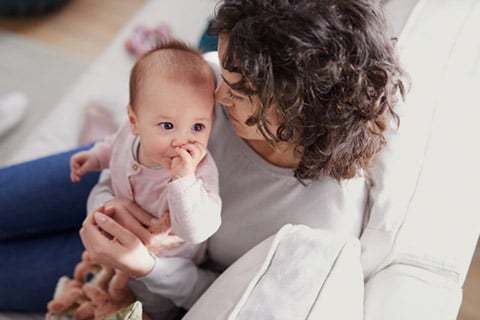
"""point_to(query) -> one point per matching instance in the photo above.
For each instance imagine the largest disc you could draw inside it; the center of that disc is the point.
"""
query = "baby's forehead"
(176, 65)
(161, 63)
(174, 60)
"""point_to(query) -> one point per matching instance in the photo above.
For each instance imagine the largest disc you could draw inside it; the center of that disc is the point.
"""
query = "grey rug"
(42, 72)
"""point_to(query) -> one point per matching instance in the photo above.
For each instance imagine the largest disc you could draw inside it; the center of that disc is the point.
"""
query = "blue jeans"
(41, 212)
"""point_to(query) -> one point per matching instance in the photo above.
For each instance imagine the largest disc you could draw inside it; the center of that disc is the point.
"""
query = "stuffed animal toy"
(94, 292)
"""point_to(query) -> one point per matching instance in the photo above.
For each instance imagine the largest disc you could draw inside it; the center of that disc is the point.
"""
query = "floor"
(470, 309)
(83, 28)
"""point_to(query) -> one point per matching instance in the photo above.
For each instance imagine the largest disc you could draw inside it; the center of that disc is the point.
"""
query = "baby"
(159, 158)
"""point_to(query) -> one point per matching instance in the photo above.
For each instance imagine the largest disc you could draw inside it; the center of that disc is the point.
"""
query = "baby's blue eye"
(198, 127)
(166, 125)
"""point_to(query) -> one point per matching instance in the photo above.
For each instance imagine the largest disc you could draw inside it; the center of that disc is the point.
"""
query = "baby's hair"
(172, 60)
(327, 66)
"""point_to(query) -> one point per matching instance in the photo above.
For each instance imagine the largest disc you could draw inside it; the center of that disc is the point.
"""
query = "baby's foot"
(99, 123)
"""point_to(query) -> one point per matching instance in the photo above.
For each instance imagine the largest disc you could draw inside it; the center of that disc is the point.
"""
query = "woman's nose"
(221, 96)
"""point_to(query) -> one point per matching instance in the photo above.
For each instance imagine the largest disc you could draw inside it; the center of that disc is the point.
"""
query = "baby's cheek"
(166, 163)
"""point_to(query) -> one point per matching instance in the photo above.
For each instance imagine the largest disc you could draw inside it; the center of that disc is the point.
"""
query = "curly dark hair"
(329, 68)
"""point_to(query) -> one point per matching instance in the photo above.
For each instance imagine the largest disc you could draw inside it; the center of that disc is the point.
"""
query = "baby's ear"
(132, 118)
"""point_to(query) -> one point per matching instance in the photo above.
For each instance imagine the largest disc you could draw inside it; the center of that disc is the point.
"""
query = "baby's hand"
(189, 156)
(81, 163)
(163, 238)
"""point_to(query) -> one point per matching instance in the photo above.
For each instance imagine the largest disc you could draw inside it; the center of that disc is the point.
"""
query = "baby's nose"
(180, 140)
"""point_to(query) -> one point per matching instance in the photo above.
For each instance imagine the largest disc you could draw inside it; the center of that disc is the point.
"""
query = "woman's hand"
(156, 234)
(109, 243)
(130, 216)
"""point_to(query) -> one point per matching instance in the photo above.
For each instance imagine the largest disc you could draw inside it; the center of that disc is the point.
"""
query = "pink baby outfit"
(193, 201)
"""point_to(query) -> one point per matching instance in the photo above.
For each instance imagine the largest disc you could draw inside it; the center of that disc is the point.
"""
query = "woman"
(305, 108)
(307, 90)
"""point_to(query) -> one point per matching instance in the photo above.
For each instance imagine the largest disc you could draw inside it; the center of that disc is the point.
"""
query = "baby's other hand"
(76, 162)
(163, 238)
(81, 163)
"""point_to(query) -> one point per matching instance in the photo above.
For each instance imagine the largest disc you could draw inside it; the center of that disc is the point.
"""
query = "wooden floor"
(83, 28)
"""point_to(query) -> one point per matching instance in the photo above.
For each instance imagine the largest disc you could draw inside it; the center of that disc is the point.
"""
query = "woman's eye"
(198, 127)
(233, 96)
(166, 125)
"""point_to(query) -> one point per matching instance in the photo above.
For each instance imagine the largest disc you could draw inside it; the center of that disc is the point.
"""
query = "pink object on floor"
(143, 38)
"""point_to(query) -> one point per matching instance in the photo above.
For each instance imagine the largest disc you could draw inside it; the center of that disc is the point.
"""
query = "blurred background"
(79, 28)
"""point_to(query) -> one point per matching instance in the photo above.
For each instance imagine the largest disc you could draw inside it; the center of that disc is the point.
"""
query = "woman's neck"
(281, 155)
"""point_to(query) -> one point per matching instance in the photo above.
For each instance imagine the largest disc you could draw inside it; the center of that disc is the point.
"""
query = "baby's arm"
(194, 203)
(96, 158)
(81, 163)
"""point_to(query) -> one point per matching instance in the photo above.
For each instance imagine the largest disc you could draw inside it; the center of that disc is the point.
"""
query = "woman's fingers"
(116, 231)
(109, 243)
(162, 225)
(128, 214)
(91, 236)
(120, 225)
(108, 209)
(141, 215)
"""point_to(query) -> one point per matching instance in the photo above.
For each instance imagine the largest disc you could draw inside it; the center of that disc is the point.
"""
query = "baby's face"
(172, 114)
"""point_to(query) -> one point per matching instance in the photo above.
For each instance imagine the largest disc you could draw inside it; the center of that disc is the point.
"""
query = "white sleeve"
(179, 280)
(194, 203)
(101, 192)
(195, 213)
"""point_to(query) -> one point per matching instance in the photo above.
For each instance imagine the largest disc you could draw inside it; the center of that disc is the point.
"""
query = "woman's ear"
(132, 118)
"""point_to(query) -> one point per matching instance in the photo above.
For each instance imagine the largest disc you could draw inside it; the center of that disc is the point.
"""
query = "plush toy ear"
(103, 277)
(84, 311)
(86, 269)
(118, 288)
(67, 294)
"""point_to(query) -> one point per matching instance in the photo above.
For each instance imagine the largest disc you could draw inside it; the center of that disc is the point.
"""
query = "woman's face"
(239, 106)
